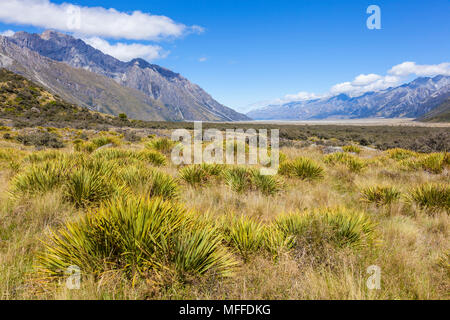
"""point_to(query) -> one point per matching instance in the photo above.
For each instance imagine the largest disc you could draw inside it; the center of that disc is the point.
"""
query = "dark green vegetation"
(28, 105)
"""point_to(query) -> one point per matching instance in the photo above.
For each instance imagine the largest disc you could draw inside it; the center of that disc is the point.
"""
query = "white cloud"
(425, 70)
(7, 33)
(127, 52)
(301, 96)
(92, 21)
(202, 59)
(365, 83)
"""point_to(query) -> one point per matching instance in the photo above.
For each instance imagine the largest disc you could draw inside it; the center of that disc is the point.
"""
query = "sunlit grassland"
(140, 227)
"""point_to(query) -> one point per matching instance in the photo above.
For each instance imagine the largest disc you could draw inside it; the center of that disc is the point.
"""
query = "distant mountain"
(439, 114)
(140, 89)
(410, 100)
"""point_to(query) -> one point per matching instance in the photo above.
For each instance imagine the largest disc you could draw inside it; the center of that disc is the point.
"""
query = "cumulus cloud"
(127, 52)
(425, 70)
(92, 21)
(365, 83)
(7, 33)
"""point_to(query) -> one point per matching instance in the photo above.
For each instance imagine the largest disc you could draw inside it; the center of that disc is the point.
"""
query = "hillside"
(26, 103)
(438, 114)
(143, 90)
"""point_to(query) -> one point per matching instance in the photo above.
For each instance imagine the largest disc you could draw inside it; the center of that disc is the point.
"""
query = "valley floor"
(139, 227)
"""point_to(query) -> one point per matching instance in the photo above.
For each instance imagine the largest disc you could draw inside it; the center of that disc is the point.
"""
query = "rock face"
(407, 101)
(185, 100)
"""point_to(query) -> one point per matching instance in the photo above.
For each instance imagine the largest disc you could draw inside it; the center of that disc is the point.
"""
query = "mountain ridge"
(189, 101)
(409, 100)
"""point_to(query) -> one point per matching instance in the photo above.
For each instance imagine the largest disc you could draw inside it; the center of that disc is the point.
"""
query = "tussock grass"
(302, 168)
(380, 195)
(149, 182)
(152, 157)
(352, 162)
(91, 184)
(400, 154)
(267, 185)
(431, 196)
(136, 236)
(352, 148)
(163, 145)
(40, 178)
(340, 226)
(238, 178)
(245, 235)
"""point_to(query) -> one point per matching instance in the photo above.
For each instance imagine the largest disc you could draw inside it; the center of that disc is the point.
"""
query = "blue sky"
(248, 51)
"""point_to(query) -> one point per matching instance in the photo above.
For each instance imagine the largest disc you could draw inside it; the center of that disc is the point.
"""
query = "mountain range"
(85, 76)
(411, 100)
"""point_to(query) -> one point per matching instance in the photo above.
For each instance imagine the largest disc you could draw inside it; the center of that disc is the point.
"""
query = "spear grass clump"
(245, 235)
(353, 163)
(352, 148)
(341, 227)
(40, 178)
(266, 184)
(138, 237)
(163, 145)
(148, 182)
(431, 196)
(433, 162)
(302, 168)
(238, 179)
(400, 154)
(380, 195)
(91, 184)
(154, 158)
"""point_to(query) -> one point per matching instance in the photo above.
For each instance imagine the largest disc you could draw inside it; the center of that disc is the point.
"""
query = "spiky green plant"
(339, 226)
(352, 148)
(238, 178)
(213, 169)
(431, 196)
(40, 178)
(109, 154)
(148, 182)
(400, 154)
(153, 157)
(163, 145)
(433, 162)
(276, 241)
(353, 163)
(303, 168)
(193, 175)
(104, 140)
(245, 235)
(91, 184)
(136, 236)
(267, 185)
(198, 248)
(380, 195)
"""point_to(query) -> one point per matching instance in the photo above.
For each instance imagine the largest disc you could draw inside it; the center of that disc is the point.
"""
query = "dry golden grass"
(412, 243)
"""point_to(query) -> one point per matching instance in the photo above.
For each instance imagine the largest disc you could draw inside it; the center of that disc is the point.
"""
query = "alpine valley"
(412, 100)
(85, 76)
